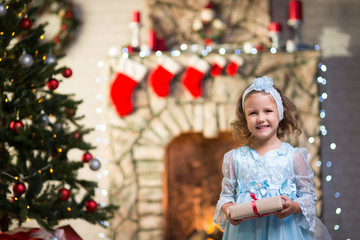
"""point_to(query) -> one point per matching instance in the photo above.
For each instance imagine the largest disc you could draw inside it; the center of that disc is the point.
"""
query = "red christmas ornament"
(52, 84)
(67, 73)
(90, 205)
(15, 125)
(19, 188)
(77, 135)
(86, 157)
(64, 194)
(25, 23)
(70, 112)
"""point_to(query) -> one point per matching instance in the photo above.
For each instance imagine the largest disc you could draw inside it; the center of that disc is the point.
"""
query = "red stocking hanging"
(193, 75)
(217, 65)
(161, 76)
(127, 76)
(235, 63)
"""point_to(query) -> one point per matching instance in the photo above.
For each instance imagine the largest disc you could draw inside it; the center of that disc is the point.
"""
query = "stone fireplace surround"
(139, 140)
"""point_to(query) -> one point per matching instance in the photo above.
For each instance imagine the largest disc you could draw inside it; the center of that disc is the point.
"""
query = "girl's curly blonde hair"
(289, 124)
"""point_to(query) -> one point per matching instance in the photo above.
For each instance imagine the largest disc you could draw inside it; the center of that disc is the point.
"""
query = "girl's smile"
(262, 127)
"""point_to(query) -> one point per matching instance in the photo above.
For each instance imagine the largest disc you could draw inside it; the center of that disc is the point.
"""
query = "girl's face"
(262, 116)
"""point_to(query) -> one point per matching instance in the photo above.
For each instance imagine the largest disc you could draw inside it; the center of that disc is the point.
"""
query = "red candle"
(275, 27)
(152, 40)
(295, 10)
(136, 17)
(161, 44)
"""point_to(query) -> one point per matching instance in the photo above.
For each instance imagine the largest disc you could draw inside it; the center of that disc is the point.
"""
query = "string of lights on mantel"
(202, 50)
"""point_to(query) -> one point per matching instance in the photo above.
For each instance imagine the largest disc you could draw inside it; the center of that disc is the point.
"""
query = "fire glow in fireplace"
(192, 185)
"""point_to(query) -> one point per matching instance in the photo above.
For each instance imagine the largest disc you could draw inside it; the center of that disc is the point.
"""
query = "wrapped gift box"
(256, 208)
(20, 233)
(70, 233)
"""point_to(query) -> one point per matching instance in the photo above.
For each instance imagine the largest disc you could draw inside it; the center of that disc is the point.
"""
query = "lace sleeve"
(228, 189)
(305, 189)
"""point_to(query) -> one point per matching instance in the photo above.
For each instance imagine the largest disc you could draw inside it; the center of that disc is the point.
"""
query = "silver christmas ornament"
(58, 126)
(2, 9)
(26, 60)
(50, 59)
(44, 119)
(94, 164)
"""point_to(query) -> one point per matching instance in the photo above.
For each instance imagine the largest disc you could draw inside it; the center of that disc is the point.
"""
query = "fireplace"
(156, 151)
(192, 183)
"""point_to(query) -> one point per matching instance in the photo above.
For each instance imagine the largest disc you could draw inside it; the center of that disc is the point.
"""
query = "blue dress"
(282, 171)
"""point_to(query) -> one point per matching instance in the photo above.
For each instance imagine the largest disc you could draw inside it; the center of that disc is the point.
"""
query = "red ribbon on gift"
(253, 204)
(19, 235)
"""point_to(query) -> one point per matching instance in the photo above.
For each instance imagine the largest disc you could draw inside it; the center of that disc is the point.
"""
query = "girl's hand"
(289, 207)
(226, 210)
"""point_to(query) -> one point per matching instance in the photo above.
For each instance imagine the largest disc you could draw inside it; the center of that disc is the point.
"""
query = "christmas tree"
(40, 127)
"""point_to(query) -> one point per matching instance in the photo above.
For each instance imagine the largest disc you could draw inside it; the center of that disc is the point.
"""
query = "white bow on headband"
(265, 84)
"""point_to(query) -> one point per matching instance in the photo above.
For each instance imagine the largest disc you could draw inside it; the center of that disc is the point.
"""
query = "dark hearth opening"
(192, 183)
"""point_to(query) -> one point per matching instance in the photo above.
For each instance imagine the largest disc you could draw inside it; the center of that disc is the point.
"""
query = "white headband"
(265, 84)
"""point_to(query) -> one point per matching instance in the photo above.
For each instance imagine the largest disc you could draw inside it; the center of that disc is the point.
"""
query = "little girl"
(267, 167)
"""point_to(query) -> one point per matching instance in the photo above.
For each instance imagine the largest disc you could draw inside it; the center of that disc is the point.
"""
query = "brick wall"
(334, 25)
